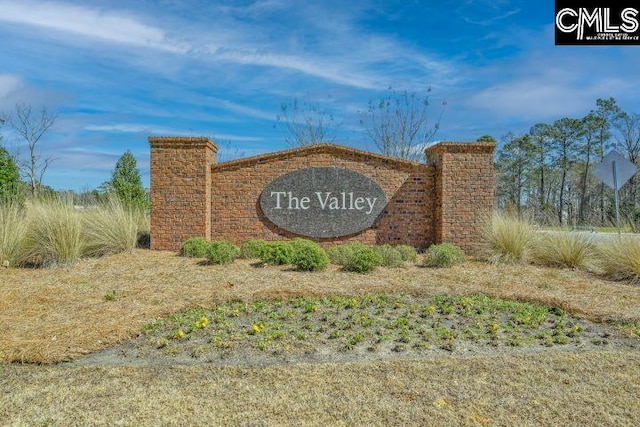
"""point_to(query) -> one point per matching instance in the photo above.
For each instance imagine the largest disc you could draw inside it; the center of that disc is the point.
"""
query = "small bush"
(222, 252)
(308, 255)
(508, 239)
(277, 253)
(408, 253)
(194, 247)
(252, 249)
(620, 258)
(443, 255)
(109, 228)
(362, 259)
(563, 250)
(54, 233)
(391, 257)
(340, 254)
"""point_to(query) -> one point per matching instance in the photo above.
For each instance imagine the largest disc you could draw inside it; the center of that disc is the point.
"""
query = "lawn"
(476, 344)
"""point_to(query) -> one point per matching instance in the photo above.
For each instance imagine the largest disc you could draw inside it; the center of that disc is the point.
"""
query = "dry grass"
(570, 250)
(57, 314)
(12, 231)
(110, 228)
(508, 238)
(576, 389)
(53, 234)
(620, 258)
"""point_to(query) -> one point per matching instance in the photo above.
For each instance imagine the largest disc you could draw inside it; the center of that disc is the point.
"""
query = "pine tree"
(9, 176)
(126, 183)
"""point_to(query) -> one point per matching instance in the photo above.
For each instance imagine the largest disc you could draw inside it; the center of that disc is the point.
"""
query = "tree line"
(547, 172)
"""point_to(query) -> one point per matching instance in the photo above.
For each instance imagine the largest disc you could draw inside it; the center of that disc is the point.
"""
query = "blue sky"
(120, 71)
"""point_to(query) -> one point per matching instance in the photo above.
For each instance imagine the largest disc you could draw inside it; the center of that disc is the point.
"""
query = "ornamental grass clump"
(619, 258)
(12, 231)
(109, 228)
(570, 250)
(53, 234)
(252, 249)
(508, 239)
(277, 253)
(194, 247)
(444, 255)
(362, 259)
(308, 255)
(222, 252)
(391, 257)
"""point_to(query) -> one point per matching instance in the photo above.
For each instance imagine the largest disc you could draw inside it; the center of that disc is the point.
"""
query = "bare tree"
(306, 124)
(31, 127)
(398, 124)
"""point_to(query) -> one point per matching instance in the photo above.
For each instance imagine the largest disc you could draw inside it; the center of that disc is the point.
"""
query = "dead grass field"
(52, 315)
(550, 389)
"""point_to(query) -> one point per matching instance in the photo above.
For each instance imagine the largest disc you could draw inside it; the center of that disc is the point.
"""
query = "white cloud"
(86, 22)
(8, 84)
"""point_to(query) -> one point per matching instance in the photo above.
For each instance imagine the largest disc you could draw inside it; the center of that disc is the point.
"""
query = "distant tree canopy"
(548, 171)
(126, 184)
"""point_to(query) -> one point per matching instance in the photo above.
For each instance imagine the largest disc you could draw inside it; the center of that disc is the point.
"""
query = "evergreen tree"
(9, 176)
(126, 183)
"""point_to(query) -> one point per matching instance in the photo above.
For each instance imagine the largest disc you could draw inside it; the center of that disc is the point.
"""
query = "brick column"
(180, 189)
(464, 187)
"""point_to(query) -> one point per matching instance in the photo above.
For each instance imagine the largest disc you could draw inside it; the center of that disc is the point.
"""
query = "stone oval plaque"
(323, 202)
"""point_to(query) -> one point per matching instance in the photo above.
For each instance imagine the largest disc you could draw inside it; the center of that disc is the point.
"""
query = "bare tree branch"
(306, 124)
(31, 127)
(398, 124)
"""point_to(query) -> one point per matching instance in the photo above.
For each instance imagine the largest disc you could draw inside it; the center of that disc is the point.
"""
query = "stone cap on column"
(461, 147)
(182, 142)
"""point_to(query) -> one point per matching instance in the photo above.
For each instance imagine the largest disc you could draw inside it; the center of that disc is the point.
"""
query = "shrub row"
(515, 240)
(306, 255)
(51, 232)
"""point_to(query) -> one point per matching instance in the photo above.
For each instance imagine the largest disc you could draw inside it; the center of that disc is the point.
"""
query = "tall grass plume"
(12, 231)
(570, 250)
(508, 238)
(620, 258)
(110, 228)
(53, 235)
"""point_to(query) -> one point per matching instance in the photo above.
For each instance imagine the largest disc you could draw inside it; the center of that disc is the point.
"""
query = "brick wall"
(191, 195)
(464, 183)
(180, 189)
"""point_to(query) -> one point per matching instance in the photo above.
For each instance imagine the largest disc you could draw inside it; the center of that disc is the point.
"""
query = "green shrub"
(443, 255)
(252, 249)
(12, 231)
(54, 233)
(308, 255)
(222, 252)
(508, 238)
(563, 250)
(340, 254)
(408, 253)
(194, 247)
(277, 253)
(109, 228)
(620, 258)
(391, 257)
(362, 259)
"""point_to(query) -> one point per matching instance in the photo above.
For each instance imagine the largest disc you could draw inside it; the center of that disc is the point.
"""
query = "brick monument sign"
(328, 193)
